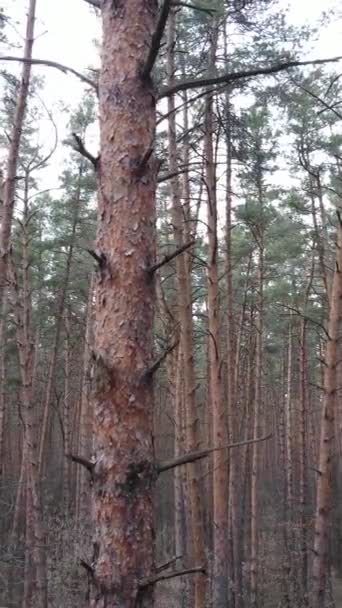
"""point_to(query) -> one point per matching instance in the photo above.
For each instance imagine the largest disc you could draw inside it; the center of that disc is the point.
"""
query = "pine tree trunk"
(9, 186)
(59, 325)
(25, 343)
(184, 300)
(122, 401)
(66, 417)
(85, 417)
(219, 459)
(320, 566)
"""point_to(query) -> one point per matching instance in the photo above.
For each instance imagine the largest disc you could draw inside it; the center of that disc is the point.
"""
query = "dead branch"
(156, 39)
(51, 64)
(167, 258)
(152, 580)
(229, 77)
(155, 366)
(80, 147)
(169, 563)
(199, 454)
(82, 461)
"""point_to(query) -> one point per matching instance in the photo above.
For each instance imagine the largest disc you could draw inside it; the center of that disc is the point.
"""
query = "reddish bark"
(123, 476)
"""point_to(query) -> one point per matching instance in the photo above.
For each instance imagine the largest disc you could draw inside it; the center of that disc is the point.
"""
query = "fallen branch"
(229, 77)
(199, 454)
(152, 580)
(167, 258)
(156, 40)
(51, 64)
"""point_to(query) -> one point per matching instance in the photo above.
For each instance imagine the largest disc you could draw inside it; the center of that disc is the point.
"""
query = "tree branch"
(194, 83)
(199, 454)
(156, 39)
(80, 147)
(156, 365)
(51, 64)
(164, 576)
(167, 258)
(82, 461)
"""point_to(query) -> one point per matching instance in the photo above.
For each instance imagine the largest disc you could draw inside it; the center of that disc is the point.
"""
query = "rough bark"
(122, 400)
(320, 565)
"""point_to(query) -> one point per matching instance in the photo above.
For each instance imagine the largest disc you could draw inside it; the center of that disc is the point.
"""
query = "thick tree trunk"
(67, 417)
(123, 475)
(9, 186)
(323, 493)
(184, 300)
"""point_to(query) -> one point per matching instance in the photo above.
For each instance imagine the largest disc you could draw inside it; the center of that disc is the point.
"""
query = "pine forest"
(170, 304)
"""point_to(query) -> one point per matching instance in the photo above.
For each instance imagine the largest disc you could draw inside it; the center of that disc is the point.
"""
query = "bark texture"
(124, 472)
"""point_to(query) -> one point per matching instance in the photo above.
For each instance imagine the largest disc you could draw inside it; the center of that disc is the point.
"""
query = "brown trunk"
(216, 403)
(323, 493)
(258, 394)
(184, 300)
(25, 343)
(85, 417)
(2, 379)
(123, 475)
(59, 324)
(9, 187)
(66, 416)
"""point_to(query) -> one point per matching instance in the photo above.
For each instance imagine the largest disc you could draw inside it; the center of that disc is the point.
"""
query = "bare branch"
(199, 454)
(164, 576)
(51, 64)
(156, 365)
(80, 147)
(169, 563)
(156, 39)
(167, 258)
(325, 104)
(229, 77)
(82, 461)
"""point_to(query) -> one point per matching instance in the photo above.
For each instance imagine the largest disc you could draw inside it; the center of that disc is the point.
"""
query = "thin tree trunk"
(25, 343)
(219, 459)
(66, 417)
(59, 324)
(184, 301)
(85, 417)
(258, 395)
(124, 472)
(9, 186)
(320, 566)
